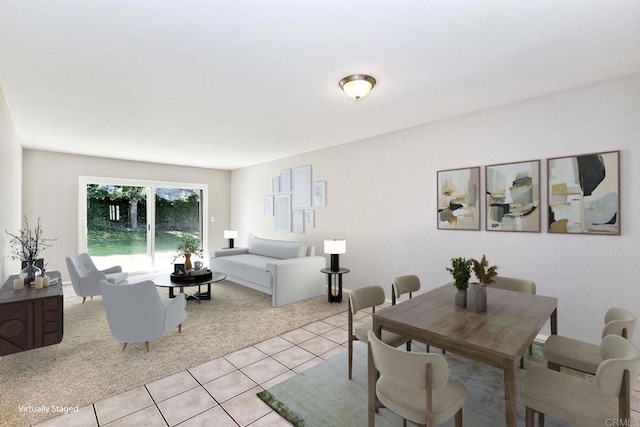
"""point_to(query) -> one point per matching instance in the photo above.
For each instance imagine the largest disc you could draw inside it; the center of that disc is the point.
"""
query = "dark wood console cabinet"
(30, 318)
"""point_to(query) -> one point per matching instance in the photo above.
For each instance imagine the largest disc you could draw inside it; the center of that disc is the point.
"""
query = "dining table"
(497, 337)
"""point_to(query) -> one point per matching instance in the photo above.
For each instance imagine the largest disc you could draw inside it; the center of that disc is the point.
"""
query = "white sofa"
(288, 271)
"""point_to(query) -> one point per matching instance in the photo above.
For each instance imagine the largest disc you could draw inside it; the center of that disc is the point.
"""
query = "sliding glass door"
(178, 213)
(138, 224)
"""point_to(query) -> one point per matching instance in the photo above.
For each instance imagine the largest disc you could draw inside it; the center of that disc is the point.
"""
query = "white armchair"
(85, 277)
(136, 313)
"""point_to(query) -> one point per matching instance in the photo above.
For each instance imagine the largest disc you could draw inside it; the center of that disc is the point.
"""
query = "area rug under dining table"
(324, 396)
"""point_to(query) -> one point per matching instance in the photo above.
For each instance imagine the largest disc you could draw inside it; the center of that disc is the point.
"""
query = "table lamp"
(335, 247)
(230, 234)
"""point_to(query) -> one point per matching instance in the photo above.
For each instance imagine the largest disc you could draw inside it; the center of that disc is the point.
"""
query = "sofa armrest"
(110, 270)
(297, 279)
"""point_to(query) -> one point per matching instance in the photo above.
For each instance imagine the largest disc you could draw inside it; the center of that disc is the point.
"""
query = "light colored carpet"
(323, 396)
(91, 366)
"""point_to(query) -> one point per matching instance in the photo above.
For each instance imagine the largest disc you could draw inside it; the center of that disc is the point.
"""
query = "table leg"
(339, 299)
(171, 294)
(329, 287)
(510, 398)
(554, 322)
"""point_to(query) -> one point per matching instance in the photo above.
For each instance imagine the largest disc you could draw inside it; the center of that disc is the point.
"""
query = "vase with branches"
(477, 294)
(26, 246)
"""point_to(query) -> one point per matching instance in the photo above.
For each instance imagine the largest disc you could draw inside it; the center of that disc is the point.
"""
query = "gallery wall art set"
(295, 193)
(583, 196)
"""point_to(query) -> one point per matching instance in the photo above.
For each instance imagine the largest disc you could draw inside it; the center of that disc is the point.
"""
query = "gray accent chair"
(516, 285)
(416, 386)
(361, 299)
(602, 402)
(136, 313)
(584, 356)
(85, 276)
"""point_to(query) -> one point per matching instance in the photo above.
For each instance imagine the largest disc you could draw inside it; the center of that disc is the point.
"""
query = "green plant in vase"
(188, 246)
(461, 271)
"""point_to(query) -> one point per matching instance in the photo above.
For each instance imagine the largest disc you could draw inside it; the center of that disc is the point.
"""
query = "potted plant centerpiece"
(461, 271)
(188, 245)
(477, 294)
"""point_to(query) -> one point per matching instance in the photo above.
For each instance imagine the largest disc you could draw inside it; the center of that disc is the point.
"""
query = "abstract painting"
(459, 199)
(513, 196)
(584, 194)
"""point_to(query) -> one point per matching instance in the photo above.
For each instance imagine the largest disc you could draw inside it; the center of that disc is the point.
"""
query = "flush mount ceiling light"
(357, 85)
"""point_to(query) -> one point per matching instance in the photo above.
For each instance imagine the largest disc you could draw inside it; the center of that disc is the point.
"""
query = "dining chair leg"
(125, 346)
(409, 345)
(540, 419)
(459, 418)
(180, 328)
(529, 417)
(522, 362)
(531, 349)
(350, 356)
(83, 299)
(146, 344)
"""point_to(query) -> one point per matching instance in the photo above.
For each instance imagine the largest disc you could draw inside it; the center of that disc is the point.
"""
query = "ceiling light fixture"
(357, 85)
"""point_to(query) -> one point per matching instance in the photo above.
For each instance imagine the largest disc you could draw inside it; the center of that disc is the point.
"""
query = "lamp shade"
(357, 85)
(335, 246)
(230, 234)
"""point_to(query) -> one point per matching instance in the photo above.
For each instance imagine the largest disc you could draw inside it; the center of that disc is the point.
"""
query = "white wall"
(381, 198)
(10, 188)
(50, 191)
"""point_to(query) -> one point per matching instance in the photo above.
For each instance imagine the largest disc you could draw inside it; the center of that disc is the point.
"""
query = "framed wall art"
(285, 180)
(268, 205)
(584, 194)
(459, 199)
(301, 186)
(320, 193)
(309, 218)
(275, 184)
(282, 206)
(298, 222)
(513, 196)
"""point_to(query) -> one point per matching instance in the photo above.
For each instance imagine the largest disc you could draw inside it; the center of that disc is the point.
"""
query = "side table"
(334, 283)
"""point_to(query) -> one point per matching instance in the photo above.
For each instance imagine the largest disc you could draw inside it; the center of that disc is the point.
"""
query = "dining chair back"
(362, 299)
(603, 401)
(416, 386)
(561, 351)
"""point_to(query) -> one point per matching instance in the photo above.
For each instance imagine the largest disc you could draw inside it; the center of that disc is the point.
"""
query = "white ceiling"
(230, 83)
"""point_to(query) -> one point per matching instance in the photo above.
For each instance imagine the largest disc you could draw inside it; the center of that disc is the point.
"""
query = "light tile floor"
(222, 392)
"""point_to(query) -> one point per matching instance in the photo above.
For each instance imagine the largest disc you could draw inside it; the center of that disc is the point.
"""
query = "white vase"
(476, 298)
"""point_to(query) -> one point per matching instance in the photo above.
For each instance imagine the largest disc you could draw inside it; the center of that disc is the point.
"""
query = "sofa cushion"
(277, 248)
(249, 267)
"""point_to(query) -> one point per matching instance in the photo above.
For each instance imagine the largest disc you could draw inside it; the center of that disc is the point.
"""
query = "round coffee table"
(164, 281)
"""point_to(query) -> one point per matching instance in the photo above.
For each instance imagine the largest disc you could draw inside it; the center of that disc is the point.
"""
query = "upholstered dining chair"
(602, 402)
(136, 313)
(85, 276)
(416, 386)
(516, 285)
(561, 351)
(405, 285)
(360, 299)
